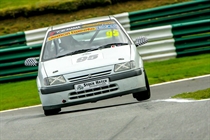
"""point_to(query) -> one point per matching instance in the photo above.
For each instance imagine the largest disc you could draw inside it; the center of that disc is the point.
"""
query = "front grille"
(88, 76)
(93, 92)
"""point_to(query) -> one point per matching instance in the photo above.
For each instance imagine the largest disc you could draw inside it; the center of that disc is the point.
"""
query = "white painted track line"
(180, 100)
(181, 80)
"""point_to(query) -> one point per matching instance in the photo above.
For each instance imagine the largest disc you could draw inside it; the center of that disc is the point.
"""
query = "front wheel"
(52, 112)
(144, 95)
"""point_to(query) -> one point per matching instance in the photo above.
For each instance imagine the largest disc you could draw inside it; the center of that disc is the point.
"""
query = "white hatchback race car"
(87, 61)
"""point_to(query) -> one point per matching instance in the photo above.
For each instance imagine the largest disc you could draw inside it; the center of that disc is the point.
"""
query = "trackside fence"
(175, 40)
(173, 31)
(166, 15)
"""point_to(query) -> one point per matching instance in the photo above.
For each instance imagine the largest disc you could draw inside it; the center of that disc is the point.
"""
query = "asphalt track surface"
(120, 118)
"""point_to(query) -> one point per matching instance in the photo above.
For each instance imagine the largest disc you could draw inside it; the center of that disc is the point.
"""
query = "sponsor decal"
(92, 84)
(83, 30)
(51, 33)
(98, 23)
(71, 33)
(80, 87)
(109, 26)
(68, 29)
(58, 36)
(95, 83)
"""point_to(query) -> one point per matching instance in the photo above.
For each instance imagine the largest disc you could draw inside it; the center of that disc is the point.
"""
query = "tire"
(52, 112)
(144, 95)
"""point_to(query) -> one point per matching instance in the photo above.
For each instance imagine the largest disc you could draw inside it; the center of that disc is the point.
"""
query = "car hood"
(88, 60)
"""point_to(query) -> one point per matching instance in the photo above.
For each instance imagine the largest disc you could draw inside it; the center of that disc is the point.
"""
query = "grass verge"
(18, 94)
(178, 68)
(24, 23)
(12, 8)
(198, 95)
(21, 94)
(15, 4)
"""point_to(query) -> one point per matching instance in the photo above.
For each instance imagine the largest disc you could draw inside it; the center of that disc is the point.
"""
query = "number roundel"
(91, 57)
(81, 59)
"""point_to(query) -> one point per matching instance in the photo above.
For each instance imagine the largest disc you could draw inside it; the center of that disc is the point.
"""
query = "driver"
(68, 43)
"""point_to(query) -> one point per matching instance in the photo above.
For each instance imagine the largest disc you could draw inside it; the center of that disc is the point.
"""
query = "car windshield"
(83, 38)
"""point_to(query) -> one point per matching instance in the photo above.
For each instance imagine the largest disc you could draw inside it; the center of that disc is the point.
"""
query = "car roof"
(81, 22)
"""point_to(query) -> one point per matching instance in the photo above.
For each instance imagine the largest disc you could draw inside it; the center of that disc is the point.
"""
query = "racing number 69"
(91, 57)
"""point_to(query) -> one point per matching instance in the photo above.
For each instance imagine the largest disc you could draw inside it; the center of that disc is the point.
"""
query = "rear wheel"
(52, 112)
(144, 95)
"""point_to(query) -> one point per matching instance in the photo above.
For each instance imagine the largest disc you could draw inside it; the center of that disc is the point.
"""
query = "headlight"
(124, 66)
(55, 80)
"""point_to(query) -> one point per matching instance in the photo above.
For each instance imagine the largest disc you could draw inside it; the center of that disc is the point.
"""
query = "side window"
(49, 50)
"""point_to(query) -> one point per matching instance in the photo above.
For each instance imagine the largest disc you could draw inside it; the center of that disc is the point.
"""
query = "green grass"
(179, 68)
(18, 94)
(198, 95)
(21, 94)
(14, 4)
(25, 23)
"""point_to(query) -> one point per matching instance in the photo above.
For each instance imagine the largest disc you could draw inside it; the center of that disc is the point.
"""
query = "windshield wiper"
(107, 46)
(110, 44)
(91, 49)
(74, 52)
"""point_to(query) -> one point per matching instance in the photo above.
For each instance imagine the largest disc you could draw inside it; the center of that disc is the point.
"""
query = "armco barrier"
(166, 15)
(35, 36)
(175, 40)
(168, 41)
(13, 39)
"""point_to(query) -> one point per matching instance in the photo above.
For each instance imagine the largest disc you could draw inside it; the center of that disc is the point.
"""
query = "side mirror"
(140, 40)
(31, 62)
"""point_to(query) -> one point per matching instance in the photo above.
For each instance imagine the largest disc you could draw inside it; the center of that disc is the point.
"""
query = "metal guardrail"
(168, 41)
(166, 15)
(12, 39)
(175, 40)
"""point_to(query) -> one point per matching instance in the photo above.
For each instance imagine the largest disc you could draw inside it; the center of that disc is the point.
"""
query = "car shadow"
(101, 107)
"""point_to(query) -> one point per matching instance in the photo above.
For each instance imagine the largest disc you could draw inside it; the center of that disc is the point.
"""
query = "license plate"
(92, 84)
